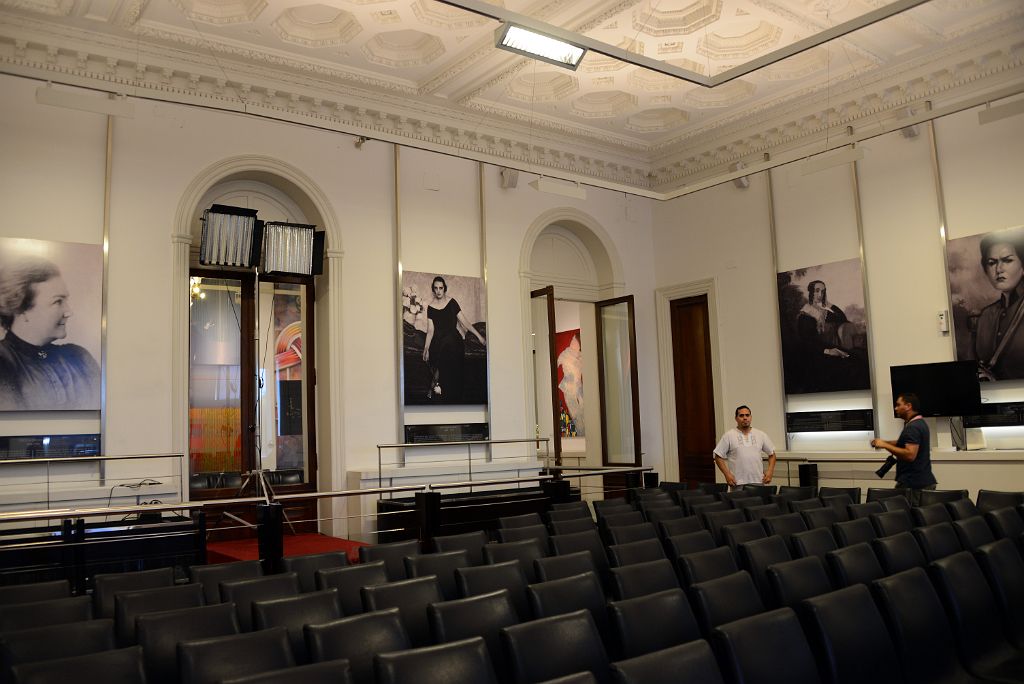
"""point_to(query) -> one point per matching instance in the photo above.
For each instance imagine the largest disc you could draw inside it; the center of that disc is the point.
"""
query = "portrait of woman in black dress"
(445, 342)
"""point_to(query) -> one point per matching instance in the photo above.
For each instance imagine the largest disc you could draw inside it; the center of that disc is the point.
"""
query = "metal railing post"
(428, 515)
(558, 491)
(270, 535)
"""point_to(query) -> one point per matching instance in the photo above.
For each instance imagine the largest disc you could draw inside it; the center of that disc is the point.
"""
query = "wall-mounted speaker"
(830, 421)
(509, 177)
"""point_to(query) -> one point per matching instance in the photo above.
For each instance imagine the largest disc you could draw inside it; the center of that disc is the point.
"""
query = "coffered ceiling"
(427, 74)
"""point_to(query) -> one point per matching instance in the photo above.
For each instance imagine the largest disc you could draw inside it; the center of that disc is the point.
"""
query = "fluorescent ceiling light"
(539, 46)
(553, 186)
(69, 99)
(820, 162)
(990, 114)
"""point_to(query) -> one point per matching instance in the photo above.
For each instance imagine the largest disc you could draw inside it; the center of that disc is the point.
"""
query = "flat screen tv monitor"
(945, 389)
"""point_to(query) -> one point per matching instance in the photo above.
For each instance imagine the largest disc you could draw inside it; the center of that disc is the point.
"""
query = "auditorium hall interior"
(385, 341)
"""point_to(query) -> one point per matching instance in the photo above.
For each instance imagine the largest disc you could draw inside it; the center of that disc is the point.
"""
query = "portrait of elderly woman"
(445, 340)
(40, 369)
(824, 332)
(986, 277)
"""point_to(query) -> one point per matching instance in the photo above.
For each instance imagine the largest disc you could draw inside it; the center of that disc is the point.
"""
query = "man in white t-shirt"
(739, 452)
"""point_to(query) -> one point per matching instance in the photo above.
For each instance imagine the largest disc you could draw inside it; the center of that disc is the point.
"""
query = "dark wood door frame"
(548, 293)
(634, 382)
(693, 387)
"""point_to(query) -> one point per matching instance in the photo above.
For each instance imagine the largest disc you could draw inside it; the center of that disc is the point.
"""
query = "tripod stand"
(263, 489)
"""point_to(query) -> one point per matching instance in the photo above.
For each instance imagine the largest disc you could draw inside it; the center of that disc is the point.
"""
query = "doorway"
(694, 388)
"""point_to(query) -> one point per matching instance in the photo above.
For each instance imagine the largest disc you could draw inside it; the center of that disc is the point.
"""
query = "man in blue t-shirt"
(911, 452)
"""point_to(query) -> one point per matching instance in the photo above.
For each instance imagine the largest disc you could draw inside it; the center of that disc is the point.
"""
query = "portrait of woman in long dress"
(49, 318)
(445, 342)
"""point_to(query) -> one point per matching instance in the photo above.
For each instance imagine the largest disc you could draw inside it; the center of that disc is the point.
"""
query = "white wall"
(722, 233)
(51, 185)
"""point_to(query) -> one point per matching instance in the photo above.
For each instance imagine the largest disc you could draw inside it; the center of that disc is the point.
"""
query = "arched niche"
(570, 250)
(281, 192)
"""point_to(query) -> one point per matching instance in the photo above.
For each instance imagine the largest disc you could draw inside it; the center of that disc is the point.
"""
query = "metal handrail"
(521, 440)
(83, 458)
(484, 483)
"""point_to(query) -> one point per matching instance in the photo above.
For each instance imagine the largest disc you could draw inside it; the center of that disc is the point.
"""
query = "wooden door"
(694, 388)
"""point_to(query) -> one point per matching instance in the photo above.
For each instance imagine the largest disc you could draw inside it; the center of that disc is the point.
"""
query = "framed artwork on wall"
(824, 328)
(444, 339)
(50, 317)
(570, 383)
(986, 286)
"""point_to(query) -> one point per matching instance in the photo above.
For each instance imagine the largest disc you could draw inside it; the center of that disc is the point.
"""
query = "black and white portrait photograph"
(444, 339)
(824, 328)
(986, 285)
(50, 313)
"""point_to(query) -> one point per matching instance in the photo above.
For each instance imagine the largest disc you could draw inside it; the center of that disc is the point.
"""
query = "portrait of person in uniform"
(986, 278)
(50, 312)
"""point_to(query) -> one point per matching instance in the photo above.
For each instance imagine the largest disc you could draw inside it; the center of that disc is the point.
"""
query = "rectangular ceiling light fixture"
(539, 46)
(294, 248)
(230, 237)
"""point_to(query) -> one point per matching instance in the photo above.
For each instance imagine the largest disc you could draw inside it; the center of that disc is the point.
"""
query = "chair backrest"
(849, 638)
(210, 576)
(676, 526)
(569, 594)
(555, 567)
(766, 492)
(973, 532)
(648, 623)
(937, 541)
(761, 512)
(411, 597)
(572, 525)
(160, 633)
(294, 613)
(357, 639)
(892, 522)
(898, 552)
(714, 521)
(60, 611)
(930, 496)
(632, 533)
(331, 672)
(816, 542)
(738, 495)
(864, 510)
(636, 552)
(571, 506)
(603, 505)
(212, 660)
(970, 606)
(524, 520)
(700, 509)
(524, 552)
(243, 593)
(689, 502)
(441, 565)
(393, 555)
(962, 508)
(466, 661)
(856, 564)
(556, 646)
(840, 503)
(306, 566)
(55, 641)
(799, 492)
(640, 579)
(990, 500)
(1006, 523)
(896, 503)
(695, 659)
(919, 628)
(820, 517)
(123, 666)
(725, 599)
(792, 581)
(801, 505)
(856, 531)
(713, 487)
(706, 565)
(105, 585)
(880, 493)
(128, 605)
(1004, 570)
(470, 542)
(852, 492)
(738, 533)
(590, 541)
(757, 555)
(621, 519)
(34, 591)
(748, 649)
(930, 514)
(525, 533)
(786, 524)
(484, 615)
(689, 542)
(349, 581)
(662, 513)
(489, 578)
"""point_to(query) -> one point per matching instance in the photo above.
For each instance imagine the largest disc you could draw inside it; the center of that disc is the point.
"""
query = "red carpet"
(294, 545)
